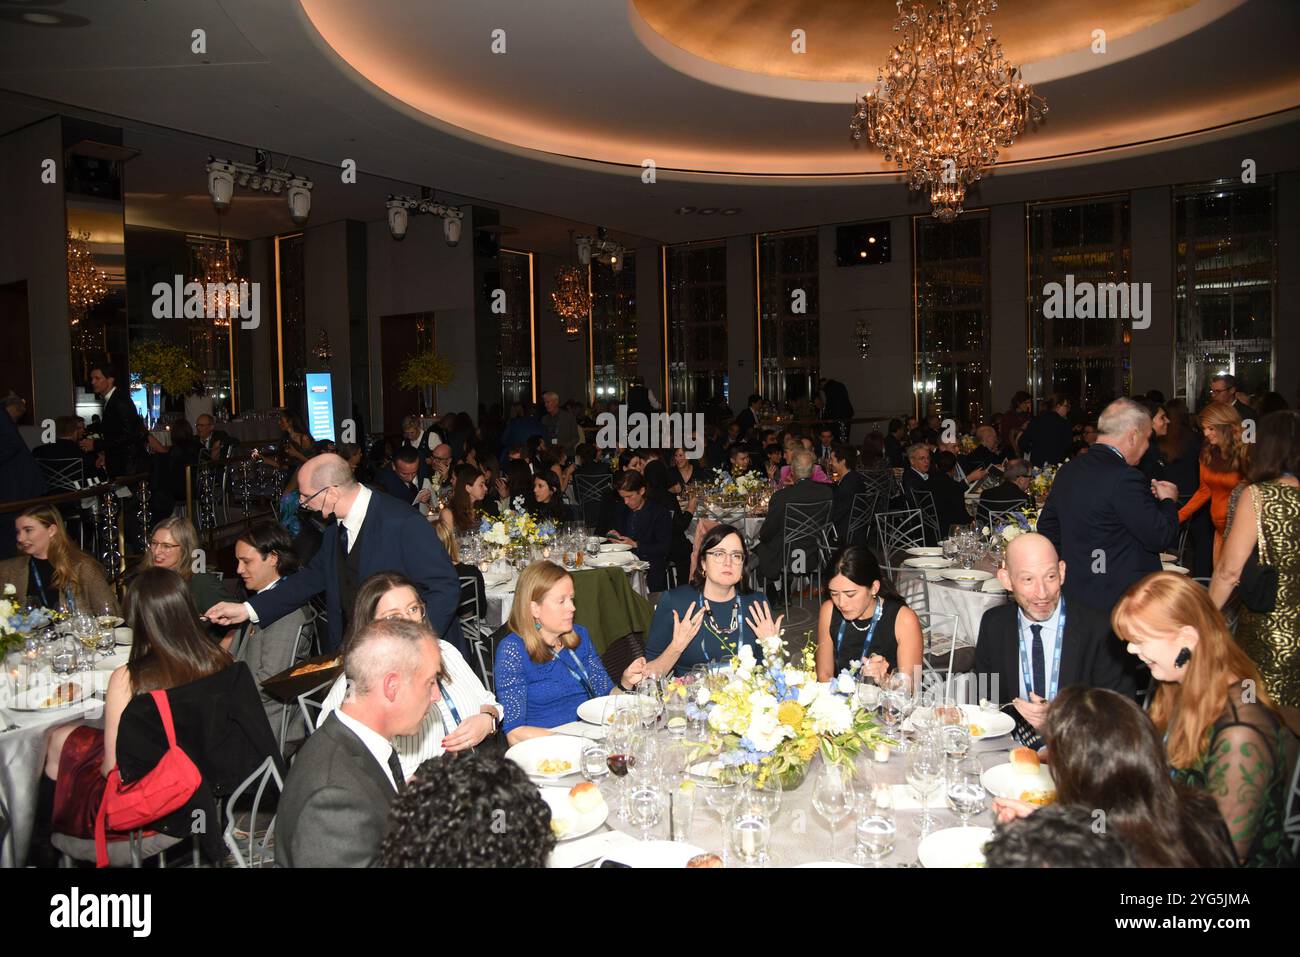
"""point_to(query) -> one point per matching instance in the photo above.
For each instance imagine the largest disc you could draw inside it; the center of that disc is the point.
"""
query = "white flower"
(985, 531)
(1010, 532)
(830, 715)
(809, 693)
(844, 684)
(765, 731)
(702, 696)
(794, 678)
(771, 646)
(10, 589)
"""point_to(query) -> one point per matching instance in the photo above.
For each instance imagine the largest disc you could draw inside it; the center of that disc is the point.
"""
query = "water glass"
(675, 713)
(683, 810)
(966, 793)
(595, 760)
(750, 831)
(925, 775)
(64, 657)
(593, 547)
(834, 797)
(646, 805)
(876, 826)
(868, 692)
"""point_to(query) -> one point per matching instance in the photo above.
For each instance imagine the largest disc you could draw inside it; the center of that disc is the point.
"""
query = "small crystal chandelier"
(946, 101)
(862, 337)
(321, 350)
(571, 298)
(87, 283)
(219, 266)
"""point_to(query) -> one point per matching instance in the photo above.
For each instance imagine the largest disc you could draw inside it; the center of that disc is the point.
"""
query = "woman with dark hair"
(448, 816)
(1107, 756)
(547, 504)
(1221, 730)
(873, 452)
(468, 490)
(466, 713)
(1015, 418)
(1269, 511)
(296, 441)
(711, 618)
(865, 620)
(518, 490)
(685, 472)
(168, 649)
(51, 571)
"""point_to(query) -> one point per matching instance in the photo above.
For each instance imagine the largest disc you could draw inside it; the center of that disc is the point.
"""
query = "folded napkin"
(905, 798)
(581, 729)
(585, 850)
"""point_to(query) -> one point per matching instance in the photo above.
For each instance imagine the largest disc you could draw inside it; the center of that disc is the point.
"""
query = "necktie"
(1040, 663)
(395, 766)
(343, 537)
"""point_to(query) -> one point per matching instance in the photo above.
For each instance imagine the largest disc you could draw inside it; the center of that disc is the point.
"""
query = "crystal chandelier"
(862, 337)
(87, 283)
(946, 101)
(219, 266)
(571, 298)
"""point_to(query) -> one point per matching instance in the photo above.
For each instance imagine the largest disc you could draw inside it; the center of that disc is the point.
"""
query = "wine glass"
(649, 705)
(965, 789)
(646, 800)
(876, 825)
(834, 797)
(956, 743)
(868, 692)
(751, 829)
(925, 775)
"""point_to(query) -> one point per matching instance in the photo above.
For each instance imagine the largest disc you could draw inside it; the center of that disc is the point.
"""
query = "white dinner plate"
(928, 562)
(39, 697)
(992, 724)
(927, 551)
(592, 710)
(563, 748)
(1004, 781)
(1170, 567)
(654, 854)
(971, 578)
(954, 847)
(122, 636)
(611, 559)
(566, 821)
(993, 587)
(615, 547)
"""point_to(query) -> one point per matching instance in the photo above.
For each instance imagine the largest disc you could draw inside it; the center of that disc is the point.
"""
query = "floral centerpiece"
(771, 717)
(1040, 481)
(514, 528)
(1011, 526)
(17, 625)
(968, 444)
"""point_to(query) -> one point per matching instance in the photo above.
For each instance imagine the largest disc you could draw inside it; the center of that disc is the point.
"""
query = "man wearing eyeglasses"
(371, 533)
(1223, 388)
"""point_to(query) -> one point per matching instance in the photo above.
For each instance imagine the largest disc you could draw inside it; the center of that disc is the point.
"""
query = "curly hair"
(1059, 835)
(468, 810)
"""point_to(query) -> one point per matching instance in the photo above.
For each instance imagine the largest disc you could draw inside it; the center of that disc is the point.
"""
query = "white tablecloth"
(22, 755)
(500, 597)
(968, 606)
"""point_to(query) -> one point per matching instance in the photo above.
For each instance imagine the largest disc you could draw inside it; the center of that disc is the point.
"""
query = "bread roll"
(1025, 761)
(585, 797)
(705, 860)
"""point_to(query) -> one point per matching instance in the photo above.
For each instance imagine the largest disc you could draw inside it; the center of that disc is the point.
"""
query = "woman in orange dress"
(1224, 460)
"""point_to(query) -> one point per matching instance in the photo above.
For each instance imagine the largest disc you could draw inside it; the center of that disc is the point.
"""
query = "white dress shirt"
(1050, 637)
(375, 742)
(466, 691)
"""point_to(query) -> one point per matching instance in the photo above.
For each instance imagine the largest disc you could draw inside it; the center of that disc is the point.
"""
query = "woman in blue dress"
(712, 617)
(547, 666)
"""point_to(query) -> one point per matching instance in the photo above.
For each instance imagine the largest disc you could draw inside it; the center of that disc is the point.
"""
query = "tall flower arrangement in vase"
(514, 528)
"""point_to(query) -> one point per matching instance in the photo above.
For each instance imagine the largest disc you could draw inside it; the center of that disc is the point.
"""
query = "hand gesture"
(424, 496)
(227, 613)
(503, 490)
(468, 733)
(1165, 490)
(686, 627)
(875, 667)
(634, 673)
(976, 475)
(1034, 710)
(1008, 809)
(760, 620)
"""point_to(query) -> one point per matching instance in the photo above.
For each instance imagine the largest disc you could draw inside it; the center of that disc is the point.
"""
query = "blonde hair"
(1227, 422)
(63, 556)
(534, 583)
(186, 537)
(1159, 605)
(448, 539)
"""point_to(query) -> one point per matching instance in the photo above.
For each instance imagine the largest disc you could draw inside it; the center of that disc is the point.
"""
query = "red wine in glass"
(620, 763)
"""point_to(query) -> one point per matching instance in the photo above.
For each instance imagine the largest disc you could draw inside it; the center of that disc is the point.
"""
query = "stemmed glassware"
(621, 727)
(751, 828)
(876, 824)
(965, 789)
(925, 775)
(649, 703)
(834, 797)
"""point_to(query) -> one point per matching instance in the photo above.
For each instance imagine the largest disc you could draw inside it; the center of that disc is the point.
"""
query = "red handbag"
(165, 789)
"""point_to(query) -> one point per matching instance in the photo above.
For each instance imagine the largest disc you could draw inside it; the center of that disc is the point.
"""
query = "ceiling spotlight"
(221, 183)
(299, 197)
(602, 249)
(584, 251)
(397, 218)
(401, 208)
(730, 211)
(707, 210)
(685, 210)
(862, 254)
(223, 175)
(451, 220)
(871, 239)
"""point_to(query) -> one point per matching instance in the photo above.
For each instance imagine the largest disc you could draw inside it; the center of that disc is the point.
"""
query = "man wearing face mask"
(1042, 643)
(1107, 520)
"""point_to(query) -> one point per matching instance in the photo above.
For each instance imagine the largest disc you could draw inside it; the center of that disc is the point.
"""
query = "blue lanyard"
(1115, 450)
(1026, 673)
(580, 675)
(871, 631)
(36, 573)
(451, 706)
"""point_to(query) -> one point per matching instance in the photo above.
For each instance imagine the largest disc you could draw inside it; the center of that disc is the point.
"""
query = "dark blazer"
(911, 482)
(651, 528)
(223, 442)
(1102, 508)
(949, 502)
(1092, 656)
(394, 537)
(982, 457)
(746, 421)
(390, 483)
(1047, 439)
(770, 537)
(844, 490)
(122, 441)
(20, 478)
(895, 452)
(1003, 496)
(334, 810)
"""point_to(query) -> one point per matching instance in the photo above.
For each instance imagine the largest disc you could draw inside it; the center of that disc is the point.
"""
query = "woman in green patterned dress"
(1221, 730)
(1269, 509)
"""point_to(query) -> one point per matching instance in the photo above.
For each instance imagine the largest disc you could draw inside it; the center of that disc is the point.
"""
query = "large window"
(696, 281)
(952, 316)
(515, 331)
(613, 328)
(788, 316)
(1225, 272)
(1072, 244)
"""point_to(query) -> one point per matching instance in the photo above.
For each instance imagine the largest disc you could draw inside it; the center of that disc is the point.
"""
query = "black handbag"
(1258, 585)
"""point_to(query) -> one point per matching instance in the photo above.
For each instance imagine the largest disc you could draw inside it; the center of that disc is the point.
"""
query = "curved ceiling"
(687, 84)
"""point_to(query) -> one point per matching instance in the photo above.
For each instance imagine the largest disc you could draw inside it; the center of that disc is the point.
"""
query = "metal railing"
(251, 482)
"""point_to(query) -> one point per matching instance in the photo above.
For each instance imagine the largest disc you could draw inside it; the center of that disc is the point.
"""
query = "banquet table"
(22, 754)
(800, 835)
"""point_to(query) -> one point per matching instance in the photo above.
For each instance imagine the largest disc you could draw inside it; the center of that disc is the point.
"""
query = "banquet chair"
(897, 531)
(312, 707)
(992, 516)
(591, 491)
(941, 638)
(622, 653)
(804, 530)
(302, 647)
(469, 615)
(929, 514)
(1291, 822)
(860, 513)
(259, 852)
(66, 475)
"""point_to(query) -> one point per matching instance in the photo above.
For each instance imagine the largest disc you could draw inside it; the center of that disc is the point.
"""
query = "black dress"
(849, 647)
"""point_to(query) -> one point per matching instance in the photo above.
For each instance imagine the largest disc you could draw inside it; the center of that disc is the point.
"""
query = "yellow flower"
(791, 713)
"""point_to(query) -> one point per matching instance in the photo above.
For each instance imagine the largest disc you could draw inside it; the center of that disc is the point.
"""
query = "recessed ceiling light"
(732, 211)
(707, 210)
(685, 210)
(870, 239)
(43, 18)
(862, 254)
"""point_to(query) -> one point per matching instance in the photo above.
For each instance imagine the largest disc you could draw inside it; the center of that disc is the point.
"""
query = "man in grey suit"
(334, 810)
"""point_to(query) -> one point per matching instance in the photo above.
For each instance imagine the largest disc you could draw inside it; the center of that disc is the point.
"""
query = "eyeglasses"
(165, 546)
(1214, 391)
(307, 500)
(718, 555)
(413, 613)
